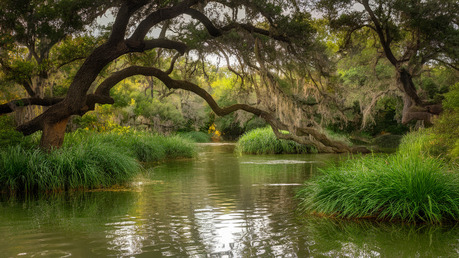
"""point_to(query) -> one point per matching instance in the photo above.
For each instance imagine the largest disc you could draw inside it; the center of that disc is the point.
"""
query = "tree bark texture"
(53, 134)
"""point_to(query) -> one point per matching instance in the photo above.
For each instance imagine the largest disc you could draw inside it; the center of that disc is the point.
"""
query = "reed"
(263, 141)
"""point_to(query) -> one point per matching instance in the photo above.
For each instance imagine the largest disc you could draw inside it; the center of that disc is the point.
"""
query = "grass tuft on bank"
(87, 160)
(402, 187)
(264, 141)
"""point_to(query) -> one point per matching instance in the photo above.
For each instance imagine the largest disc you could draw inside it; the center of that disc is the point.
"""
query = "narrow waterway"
(216, 205)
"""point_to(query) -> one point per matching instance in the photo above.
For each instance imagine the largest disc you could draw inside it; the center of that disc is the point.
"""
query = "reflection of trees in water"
(342, 238)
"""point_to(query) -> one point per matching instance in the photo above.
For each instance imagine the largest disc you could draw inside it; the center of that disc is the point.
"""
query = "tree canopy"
(409, 34)
(286, 66)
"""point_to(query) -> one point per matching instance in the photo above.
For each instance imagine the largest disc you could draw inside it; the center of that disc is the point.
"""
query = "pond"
(216, 205)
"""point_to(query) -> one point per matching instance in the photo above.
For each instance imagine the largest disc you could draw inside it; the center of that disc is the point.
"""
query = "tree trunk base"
(53, 135)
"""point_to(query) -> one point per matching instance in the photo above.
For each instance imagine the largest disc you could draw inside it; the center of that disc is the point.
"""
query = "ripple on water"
(279, 162)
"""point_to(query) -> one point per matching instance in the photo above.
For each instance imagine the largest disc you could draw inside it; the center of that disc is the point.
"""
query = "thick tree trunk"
(53, 134)
(413, 107)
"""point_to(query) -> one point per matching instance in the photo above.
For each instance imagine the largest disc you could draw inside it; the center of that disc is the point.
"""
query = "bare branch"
(229, 66)
(171, 67)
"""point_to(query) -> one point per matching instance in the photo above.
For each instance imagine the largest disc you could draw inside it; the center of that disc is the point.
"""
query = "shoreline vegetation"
(87, 160)
(263, 141)
(409, 186)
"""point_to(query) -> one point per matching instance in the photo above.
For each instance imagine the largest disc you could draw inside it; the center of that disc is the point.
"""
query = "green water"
(217, 205)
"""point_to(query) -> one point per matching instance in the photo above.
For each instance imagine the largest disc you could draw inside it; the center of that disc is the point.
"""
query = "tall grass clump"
(144, 146)
(86, 160)
(84, 166)
(177, 147)
(402, 187)
(196, 136)
(264, 141)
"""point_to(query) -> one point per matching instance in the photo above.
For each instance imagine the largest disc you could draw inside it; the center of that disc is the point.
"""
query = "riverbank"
(87, 160)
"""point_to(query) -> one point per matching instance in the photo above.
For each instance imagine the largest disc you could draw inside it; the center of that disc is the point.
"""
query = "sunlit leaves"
(74, 48)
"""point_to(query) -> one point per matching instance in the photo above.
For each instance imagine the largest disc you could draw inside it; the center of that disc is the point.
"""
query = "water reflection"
(218, 205)
(368, 239)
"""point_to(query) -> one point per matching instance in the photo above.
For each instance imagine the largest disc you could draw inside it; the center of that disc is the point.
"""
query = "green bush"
(264, 141)
(387, 141)
(403, 187)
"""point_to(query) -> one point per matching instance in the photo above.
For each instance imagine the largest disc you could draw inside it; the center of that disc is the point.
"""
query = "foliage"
(263, 141)
(296, 67)
(441, 140)
(8, 134)
(451, 102)
(45, 39)
(406, 187)
(196, 136)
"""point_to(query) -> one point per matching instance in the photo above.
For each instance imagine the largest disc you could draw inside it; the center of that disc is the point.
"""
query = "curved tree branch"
(301, 135)
(166, 43)
(216, 32)
(171, 67)
(122, 19)
(195, 14)
(379, 30)
(12, 105)
(159, 16)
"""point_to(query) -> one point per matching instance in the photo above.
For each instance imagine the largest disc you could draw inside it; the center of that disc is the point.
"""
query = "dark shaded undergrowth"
(87, 160)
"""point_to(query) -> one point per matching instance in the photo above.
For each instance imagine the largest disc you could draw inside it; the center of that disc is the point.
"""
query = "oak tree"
(187, 26)
(410, 35)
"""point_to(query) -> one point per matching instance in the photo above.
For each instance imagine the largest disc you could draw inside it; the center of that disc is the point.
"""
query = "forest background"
(317, 68)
